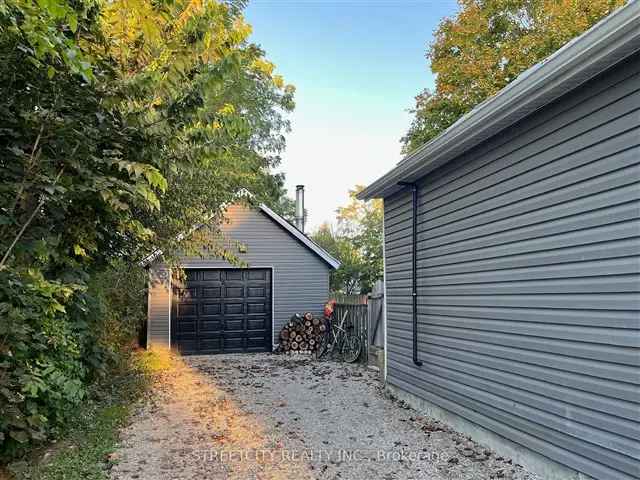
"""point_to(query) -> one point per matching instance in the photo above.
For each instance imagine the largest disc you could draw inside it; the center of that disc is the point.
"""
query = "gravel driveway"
(265, 416)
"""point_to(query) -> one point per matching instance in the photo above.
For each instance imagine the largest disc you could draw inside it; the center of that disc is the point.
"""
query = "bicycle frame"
(338, 333)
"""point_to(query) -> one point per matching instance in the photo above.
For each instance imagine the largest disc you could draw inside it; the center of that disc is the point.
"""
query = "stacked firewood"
(303, 333)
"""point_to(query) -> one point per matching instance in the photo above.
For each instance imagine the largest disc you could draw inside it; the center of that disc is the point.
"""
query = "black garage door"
(222, 311)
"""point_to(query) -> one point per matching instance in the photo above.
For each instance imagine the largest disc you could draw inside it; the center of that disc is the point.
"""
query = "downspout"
(414, 268)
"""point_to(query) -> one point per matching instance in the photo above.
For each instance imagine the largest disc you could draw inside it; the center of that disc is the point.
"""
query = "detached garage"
(216, 307)
(512, 264)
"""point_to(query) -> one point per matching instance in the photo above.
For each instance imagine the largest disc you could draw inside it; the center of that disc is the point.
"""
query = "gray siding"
(300, 277)
(158, 307)
(529, 281)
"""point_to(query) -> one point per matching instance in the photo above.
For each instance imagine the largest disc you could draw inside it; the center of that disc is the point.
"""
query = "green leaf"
(73, 22)
(19, 436)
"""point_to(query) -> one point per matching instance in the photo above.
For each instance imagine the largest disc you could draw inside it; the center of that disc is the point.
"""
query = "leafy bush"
(55, 340)
(115, 139)
(119, 297)
(42, 371)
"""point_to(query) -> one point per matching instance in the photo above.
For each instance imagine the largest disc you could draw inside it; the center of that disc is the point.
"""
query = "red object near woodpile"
(303, 333)
(329, 307)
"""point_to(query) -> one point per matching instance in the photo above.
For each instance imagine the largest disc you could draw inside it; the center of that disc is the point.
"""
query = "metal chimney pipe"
(300, 207)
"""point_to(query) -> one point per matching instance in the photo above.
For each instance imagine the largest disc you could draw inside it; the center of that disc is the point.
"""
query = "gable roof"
(306, 241)
(611, 40)
(285, 224)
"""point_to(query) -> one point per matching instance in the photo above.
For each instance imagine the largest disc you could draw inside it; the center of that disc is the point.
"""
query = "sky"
(357, 66)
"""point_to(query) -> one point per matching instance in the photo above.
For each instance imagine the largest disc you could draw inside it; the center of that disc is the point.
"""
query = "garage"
(221, 311)
(205, 304)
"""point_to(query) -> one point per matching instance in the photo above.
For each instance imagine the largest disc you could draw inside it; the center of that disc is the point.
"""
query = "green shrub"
(56, 340)
(42, 371)
(119, 297)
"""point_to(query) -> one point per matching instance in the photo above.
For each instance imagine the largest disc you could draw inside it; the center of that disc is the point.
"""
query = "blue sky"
(357, 66)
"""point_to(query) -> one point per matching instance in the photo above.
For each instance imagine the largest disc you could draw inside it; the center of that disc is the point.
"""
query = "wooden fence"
(358, 319)
(347, 299)
(366, 314)
(376, 315)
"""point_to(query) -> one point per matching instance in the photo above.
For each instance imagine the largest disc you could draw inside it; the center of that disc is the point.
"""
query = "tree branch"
(30, 219)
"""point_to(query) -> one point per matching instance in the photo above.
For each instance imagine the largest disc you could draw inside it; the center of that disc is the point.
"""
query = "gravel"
(266, 416)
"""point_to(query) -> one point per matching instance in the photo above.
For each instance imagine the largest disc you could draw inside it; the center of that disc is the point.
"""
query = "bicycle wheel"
(323, 345)
(351, 348)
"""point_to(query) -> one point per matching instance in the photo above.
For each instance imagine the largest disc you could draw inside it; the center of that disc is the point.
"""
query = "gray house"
(217, 307)
(512, 263)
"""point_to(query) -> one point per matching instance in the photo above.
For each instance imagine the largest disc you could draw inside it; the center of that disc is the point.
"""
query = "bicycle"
(342, 338)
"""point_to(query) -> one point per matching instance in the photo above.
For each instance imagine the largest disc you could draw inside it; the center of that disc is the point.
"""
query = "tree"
(347, 278)
(486, 46)
(210, 100)
(277, 199)
(357, 243)
(123, 124)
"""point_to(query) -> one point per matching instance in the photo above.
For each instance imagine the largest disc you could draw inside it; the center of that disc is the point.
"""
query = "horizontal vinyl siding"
(158, 308)
(300, 277)
(529, 281)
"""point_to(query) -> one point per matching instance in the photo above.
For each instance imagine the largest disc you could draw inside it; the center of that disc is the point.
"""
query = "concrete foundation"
(545, 467)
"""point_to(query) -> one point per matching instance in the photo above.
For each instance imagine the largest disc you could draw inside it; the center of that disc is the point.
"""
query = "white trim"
(306, 241)
(170, 280)
(611, 40)
(310, 244)
(185, 266)
(148, 345)
(384, 297)
(273, 306)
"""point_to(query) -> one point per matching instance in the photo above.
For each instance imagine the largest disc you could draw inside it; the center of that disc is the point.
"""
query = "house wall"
(529, 282)
(300, 277)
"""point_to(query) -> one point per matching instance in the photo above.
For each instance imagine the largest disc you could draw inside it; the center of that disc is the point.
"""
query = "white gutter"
(611, 40)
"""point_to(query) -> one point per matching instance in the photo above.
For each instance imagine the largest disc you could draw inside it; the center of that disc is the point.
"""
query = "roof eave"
(613, 39)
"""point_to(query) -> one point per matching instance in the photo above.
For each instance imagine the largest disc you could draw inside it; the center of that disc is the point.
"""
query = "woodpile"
(302, 334)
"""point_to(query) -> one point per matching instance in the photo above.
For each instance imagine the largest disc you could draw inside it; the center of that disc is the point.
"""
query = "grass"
(85, 450)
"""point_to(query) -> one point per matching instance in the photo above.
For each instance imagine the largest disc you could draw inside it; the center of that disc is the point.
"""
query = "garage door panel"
(189, 345)
(211, 292)
(222, 310)
(232, 274)
(257, 274)
(234, 345)
(233, 308)
(187, 327)
(208, 309)
(191, 275)
(256, 292)
(210, 275)
(256, 324)
(210, 345)
(256, 308)
(255, 343)
(211, 327)
(234, 292)
(233, 325)
(187, 310)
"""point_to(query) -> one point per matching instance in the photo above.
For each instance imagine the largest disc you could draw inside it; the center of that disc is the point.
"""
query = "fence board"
(359, 318)
(376, 315)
